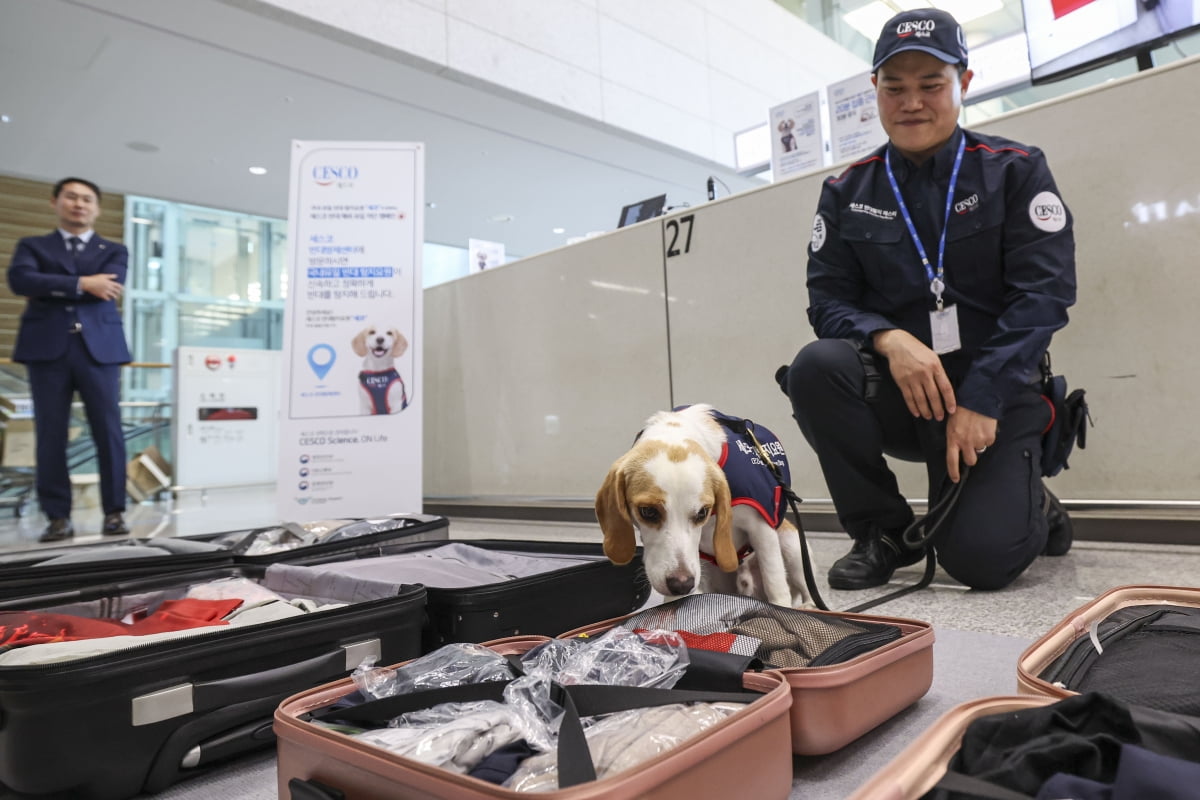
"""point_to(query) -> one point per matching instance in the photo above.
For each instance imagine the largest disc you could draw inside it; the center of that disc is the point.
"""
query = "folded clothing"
(21, 628)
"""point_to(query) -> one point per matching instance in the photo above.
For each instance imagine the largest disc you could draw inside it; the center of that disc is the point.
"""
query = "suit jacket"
(43, 271)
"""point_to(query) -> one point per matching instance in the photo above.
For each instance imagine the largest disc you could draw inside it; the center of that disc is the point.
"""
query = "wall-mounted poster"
(854, 118)
(795, 130)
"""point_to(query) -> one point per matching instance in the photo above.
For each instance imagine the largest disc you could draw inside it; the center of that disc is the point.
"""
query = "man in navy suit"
(71, 339)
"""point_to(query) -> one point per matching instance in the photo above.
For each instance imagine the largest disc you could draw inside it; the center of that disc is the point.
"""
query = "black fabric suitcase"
(72, 566)
(1137, 643)
(146, 716)
(545, 604)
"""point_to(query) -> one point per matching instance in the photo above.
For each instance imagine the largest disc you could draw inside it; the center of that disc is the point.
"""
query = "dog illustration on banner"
(787, 138)
(381, 389)
(709, 511)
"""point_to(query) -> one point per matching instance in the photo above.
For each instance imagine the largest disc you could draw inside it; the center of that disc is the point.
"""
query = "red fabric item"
(179, 615)
(1064, 7)
(23, 628)
(717, 642)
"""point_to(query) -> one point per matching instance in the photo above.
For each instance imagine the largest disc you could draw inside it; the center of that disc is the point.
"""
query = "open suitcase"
(919, 767)
(157, 709)
(1089, 745)
(565, 585)
(1140, 644)
(745, 755)
(835, 700)
(75, 565)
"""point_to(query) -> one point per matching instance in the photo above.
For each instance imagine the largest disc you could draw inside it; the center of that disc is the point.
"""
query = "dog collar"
(741, 555)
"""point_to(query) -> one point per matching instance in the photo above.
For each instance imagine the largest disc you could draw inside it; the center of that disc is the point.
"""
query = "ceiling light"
(969, 10)
(5, 118)
(141, 221)
(869, 19)
(142, 147)
(560, 230)
(431, 204)
(502, 218)
(258, 170)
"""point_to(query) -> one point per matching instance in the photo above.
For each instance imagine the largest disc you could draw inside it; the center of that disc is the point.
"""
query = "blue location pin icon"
(321, 358)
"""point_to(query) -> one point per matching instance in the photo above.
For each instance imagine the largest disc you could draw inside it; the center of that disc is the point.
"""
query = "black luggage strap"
(575, 764)
(971, 786)
(915, 537)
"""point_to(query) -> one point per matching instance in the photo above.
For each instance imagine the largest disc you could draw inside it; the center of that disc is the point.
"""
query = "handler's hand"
(918, 372)
(967, 433)
(104, 285)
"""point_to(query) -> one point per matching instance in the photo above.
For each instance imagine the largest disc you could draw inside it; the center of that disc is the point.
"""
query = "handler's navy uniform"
(1010, 271)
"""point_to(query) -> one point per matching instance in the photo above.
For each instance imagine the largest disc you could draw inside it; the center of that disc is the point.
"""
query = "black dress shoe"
(114, 525)
(871, 562)
(57, 530)
(1060, 532)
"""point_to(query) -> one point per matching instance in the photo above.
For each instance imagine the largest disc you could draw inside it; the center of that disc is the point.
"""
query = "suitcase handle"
(188, 698)
(227, 691)
(311, 790)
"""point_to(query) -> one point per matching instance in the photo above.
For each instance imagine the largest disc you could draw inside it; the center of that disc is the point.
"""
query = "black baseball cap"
(929, 30)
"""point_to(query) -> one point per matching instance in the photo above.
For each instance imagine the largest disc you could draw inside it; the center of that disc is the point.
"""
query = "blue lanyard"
(936, 283)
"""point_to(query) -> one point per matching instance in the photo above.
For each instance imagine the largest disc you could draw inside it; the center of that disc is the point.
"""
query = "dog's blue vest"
(377, 385)
(751, 482)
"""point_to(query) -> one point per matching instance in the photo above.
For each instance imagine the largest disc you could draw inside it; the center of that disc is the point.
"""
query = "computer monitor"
(640, 212)
(1067, 37)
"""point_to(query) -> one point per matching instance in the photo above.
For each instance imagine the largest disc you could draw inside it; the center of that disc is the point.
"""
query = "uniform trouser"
(52, 386)
(997, 527)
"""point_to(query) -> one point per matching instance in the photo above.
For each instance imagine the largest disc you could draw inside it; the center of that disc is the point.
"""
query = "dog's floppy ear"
(359, 344)
(723, 550)
(620, 541)
(401, 344)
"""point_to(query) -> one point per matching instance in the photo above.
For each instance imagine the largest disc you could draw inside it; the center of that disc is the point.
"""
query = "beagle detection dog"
(381, 389)
(709, 511)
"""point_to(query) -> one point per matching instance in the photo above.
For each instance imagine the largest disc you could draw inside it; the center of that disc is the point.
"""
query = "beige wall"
(579, 334)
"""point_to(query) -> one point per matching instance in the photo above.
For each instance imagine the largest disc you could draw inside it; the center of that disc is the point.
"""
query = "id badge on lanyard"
(943, 321)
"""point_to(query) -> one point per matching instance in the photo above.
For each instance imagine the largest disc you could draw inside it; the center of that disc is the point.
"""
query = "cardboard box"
(20, 444)
(147, 475)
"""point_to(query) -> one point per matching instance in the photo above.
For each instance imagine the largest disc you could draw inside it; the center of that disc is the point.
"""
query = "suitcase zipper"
(1084, 651)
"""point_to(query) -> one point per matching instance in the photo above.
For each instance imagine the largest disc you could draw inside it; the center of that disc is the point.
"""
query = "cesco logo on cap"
(921, 27)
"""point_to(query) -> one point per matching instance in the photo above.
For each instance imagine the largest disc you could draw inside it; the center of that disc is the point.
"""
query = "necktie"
(74, 245)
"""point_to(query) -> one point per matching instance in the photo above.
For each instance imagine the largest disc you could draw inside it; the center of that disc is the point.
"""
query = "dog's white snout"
(680, 582)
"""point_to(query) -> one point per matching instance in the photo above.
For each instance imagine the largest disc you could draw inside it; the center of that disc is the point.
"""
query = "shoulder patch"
(818, 233)
(1047, 212)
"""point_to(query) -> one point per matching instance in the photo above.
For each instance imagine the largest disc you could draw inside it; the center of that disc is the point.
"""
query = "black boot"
(1060, 532)
(871, 562)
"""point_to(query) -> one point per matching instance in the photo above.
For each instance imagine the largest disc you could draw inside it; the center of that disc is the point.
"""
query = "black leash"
(915, 537)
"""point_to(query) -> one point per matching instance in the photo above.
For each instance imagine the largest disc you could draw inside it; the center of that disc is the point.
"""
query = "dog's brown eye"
(648, 513)
(702, 515)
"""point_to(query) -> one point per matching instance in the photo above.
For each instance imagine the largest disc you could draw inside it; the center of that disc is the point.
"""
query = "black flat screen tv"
(640, 212)
(1068, 37)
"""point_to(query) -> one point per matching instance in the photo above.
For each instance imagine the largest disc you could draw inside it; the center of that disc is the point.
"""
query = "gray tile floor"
(1047, 591)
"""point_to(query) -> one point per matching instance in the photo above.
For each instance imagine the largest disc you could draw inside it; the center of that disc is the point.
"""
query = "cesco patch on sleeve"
(818, 233)
(1047, 212)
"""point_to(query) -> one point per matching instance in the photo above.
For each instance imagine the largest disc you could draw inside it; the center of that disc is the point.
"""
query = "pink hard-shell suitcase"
(1087, 627)
(919, 767)
(834, 705)
(746, 755)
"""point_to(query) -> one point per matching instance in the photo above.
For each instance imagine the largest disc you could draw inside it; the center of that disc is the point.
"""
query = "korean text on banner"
(350, 419)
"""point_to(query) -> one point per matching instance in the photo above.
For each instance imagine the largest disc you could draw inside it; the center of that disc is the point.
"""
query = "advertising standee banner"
(795, 130)
(854, 127)
(350, 416)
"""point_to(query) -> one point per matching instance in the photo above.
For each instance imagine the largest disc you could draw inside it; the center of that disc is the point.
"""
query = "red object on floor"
(1064, 7)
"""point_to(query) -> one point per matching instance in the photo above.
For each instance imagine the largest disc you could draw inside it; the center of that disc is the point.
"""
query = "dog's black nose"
(681, 583)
